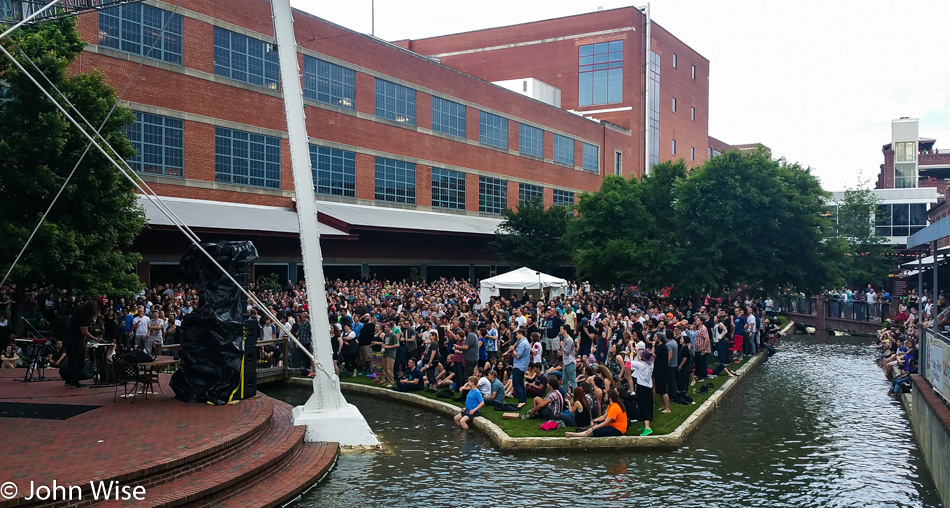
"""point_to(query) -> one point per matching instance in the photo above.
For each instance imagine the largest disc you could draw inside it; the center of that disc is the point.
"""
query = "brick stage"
(182, 454)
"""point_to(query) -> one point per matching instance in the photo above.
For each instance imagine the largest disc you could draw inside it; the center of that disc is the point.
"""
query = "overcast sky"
(817, 81)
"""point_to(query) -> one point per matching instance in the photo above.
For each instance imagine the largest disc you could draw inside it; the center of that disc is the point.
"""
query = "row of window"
(692, 151)
(135, 27)
(692, 110)
(245, 158)
(692, 67)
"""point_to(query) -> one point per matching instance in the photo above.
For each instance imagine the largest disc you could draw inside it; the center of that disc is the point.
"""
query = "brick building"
(415, 151)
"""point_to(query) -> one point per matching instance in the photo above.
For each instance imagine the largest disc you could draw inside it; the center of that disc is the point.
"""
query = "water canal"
(810, 427)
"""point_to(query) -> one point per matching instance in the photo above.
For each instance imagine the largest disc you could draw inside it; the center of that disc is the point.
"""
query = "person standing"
(305, 335)
(390, 345)
(77, 333)
(700, 347)
(469, 350)
(140, 328)
(155, 330)
(569, 370)
(521, 354)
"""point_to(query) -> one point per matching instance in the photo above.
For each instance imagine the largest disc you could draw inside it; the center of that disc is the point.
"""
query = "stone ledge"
(505, 442)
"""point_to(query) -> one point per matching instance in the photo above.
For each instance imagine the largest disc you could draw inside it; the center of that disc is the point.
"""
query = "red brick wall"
(221, 101)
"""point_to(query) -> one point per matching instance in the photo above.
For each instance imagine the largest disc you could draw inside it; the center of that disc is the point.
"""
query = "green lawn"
(662, 423)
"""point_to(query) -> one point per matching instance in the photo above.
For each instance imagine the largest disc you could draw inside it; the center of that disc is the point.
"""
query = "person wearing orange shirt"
(614, 423)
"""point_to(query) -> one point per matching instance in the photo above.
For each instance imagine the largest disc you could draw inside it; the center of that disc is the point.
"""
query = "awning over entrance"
(218, 215)
(378, 217)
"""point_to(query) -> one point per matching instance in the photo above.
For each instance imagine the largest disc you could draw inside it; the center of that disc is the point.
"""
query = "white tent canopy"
(522, 278)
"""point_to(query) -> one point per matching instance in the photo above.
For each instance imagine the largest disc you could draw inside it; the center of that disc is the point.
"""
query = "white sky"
(817, 81)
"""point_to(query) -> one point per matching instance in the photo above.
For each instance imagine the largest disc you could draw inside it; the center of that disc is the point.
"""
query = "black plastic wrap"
(212, 335)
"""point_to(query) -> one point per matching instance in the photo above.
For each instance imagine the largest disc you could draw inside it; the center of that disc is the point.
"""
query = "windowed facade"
(334, 171)
(673, 148)
(674, 104)
(159, 142)
(905, 164)
(329, 83)
(448, 189)
(654, 108)
(244, 158)
(244, 59)
(492, 130)
(563, 198)
(395, 102)
(591, 157)
(692, 153)
(693, 71)
(448, 117)
(563, 150)
(133, 28)
(492, 194)
(395, 181)
(528, 192)
(600, 73)
(530, 140)
(692, 114)
(900, 219)
(674, 60)
(618, 163)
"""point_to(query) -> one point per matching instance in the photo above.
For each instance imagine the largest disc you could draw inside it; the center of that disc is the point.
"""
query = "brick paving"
(182, 453)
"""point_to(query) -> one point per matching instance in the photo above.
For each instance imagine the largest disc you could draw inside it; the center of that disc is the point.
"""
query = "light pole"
(540, 288)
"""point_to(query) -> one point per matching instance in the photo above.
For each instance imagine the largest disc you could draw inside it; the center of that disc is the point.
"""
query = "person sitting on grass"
(497, 395)
(614, 423)
(412, 381)
(550, 407)
(578, 413)
(535, 381)
(473, 404)
(446, 378)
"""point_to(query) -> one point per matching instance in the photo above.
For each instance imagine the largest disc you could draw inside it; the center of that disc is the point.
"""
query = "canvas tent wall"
(523, 278)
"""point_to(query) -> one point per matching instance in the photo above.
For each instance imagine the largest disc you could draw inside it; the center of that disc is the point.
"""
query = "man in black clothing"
(365, 340)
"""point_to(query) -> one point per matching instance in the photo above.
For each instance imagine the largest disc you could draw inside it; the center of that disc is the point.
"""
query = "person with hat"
(642, 370)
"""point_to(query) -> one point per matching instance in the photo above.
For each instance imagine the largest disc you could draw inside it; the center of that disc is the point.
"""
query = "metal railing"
(799, 304)
(857, 310)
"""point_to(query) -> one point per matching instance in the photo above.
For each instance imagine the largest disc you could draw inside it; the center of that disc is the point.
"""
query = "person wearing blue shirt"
(473, 403)
(482, 350)
(521, 353)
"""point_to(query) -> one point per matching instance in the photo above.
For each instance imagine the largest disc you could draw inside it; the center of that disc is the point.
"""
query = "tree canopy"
(534, 236)
(866, 257)
(81, 244)
(739, 220)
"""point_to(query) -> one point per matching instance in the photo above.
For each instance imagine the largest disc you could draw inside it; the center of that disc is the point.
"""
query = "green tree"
(747, 219)
(81, 244)
(626, 231)
(534, 236)
(867, 259)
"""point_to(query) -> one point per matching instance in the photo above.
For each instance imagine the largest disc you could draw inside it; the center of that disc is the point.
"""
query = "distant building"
(900, 212)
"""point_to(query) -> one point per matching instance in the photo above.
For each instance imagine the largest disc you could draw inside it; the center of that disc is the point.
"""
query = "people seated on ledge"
(473, 403)
(412, 380)
(614, 423)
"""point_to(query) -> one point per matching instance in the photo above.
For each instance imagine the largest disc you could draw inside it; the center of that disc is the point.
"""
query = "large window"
(563, 149)
(395, 102)
(334, 171)
(492, 194)
(528, 192)
(448, 189)
(328, 83)
(159, 141)
(901, 219)
(492, 130)
(591, 157)
(244, 158)
(563, 198)
(905, 165)
(600, 73)
(133, 28)
(530, 140)
(242, 58)
(654, 108)
(395, 181)
(448, 117)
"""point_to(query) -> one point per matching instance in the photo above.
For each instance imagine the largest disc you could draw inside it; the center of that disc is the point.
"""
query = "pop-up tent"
(523, 278)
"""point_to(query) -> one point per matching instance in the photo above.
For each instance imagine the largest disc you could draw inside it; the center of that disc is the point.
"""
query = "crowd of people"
(591, 360)
(898, 342)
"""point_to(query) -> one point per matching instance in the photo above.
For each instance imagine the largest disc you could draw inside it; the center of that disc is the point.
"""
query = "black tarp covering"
(212, 349)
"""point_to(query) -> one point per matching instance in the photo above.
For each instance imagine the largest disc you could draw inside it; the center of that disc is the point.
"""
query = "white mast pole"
(326, 414)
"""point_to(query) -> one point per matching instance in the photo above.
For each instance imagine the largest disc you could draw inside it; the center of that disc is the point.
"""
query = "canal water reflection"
(810, 427)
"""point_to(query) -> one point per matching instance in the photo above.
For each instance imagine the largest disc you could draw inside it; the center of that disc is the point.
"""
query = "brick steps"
(286, 481)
